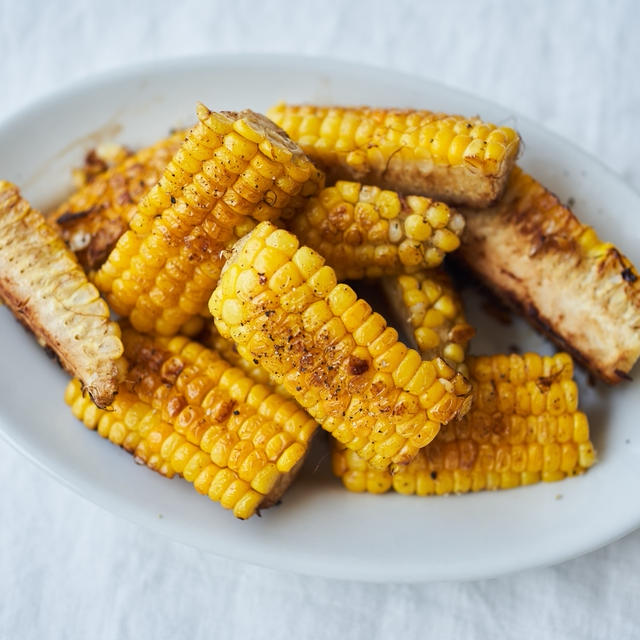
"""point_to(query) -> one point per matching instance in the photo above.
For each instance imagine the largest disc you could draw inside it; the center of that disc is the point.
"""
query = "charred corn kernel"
(431, 312)
(491, 447)
(93, 218)
(456, 159)
(347, 220)
(313, 351)
(47, 290)
(211, 187)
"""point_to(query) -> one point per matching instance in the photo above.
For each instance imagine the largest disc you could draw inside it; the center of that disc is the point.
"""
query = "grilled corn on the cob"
(237, 441)
(524, 427)
(534, 252)
(363, 231)
(42, 283)
(451, 158)
(430, 312)
(232, 168)
(94, 217)
(285, 311)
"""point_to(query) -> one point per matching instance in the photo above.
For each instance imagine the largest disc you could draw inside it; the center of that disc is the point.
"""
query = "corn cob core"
(523, 427)
(232, 168)
(256, 437)
(459, 160)
(431, 313)
(284, 310)
(539, 257)
(363, 231)
(93, 218)
(42, 283)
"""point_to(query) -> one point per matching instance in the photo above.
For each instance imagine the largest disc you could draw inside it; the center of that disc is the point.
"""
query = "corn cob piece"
(94, 217)
(185, 411)
(430, 313)
(535, 254)
(43, 285)
(523, 428)
(232, 168)
(363, 231)
(284, 310)
(451, 158)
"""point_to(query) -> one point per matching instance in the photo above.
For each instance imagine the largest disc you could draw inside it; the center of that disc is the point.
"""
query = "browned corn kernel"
(332, 353)
(231, 168)
(446, 157)
(43, 285)
(538, 256)
(93, 218)
(363, 231)
(499, 444)
(430, 311)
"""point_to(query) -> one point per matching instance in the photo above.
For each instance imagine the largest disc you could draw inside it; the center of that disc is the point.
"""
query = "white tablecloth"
(70, 570)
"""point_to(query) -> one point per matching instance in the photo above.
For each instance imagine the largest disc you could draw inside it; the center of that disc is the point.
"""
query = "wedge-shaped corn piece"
(94, 217)
(582, 292)
(42, 283)
(283, 308)
(430, 313)
(524, 427)
(232, 168)
(451, 158)
(363, 231)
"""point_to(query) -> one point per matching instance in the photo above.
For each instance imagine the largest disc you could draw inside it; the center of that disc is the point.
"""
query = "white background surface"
(68, 569)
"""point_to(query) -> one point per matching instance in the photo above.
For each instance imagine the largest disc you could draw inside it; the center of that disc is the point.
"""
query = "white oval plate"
(320, 528)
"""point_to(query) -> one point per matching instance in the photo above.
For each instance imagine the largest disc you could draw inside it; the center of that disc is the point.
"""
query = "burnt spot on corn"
(171, 369)
(628, 275)
(73, 216)
(174, 405)
(357, 366)
(221, 410)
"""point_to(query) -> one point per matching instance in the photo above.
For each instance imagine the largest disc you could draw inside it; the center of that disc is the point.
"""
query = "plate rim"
(319, 64)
